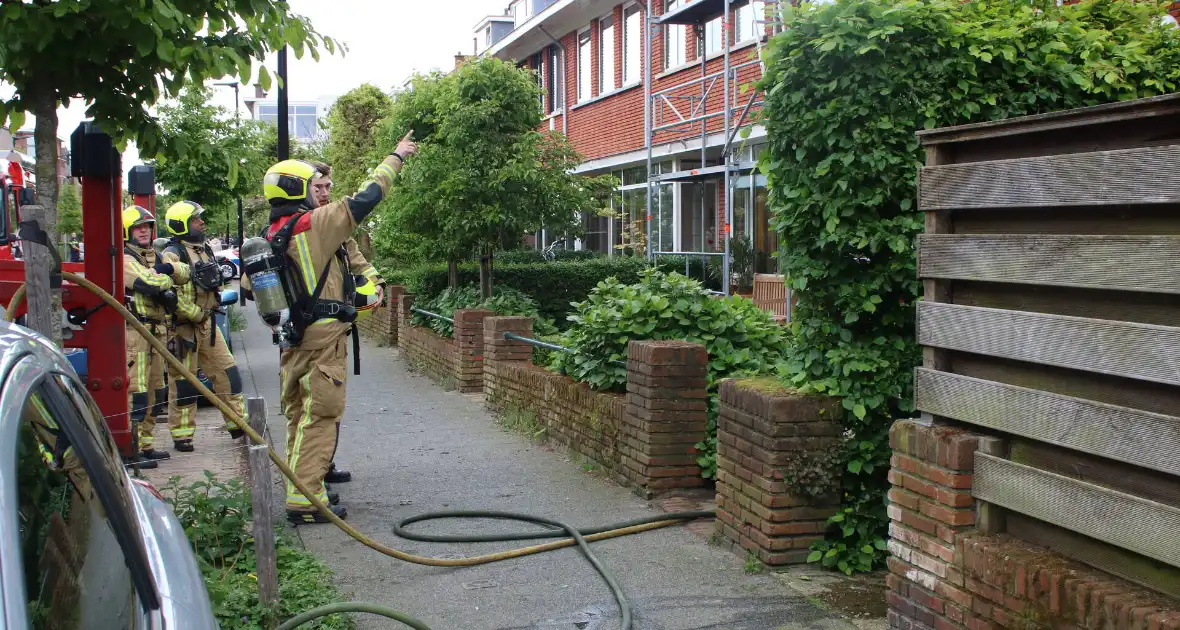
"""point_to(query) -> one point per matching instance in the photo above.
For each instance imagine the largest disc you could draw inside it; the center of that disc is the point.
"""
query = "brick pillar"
(468, 343)
(667, 414)
(404, 303)
(930, 505)
(498, 351)
(769, 442)
(392, 321)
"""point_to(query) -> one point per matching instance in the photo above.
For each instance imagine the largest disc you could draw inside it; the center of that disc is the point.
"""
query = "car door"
(81, 563)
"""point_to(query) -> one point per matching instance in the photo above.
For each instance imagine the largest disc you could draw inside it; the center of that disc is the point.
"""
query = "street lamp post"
(241, 227)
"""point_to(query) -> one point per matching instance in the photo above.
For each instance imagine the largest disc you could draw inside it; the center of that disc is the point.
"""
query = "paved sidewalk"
(414, 448)
(214, 451)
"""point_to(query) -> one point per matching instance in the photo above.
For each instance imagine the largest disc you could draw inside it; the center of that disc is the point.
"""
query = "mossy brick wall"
(765, 437)
(946, 575)
(646, 439)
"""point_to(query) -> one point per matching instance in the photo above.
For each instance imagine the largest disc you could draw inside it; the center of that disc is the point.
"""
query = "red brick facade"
(946, 575)
(614, 125)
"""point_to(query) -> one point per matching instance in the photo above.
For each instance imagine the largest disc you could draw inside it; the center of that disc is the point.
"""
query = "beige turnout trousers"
(313, 397)
(202, 346)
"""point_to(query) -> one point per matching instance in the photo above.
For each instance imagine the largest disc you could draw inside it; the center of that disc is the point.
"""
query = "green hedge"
(847, 85)
(555, 286)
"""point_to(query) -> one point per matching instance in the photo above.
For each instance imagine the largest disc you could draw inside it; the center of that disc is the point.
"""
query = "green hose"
(346, 607)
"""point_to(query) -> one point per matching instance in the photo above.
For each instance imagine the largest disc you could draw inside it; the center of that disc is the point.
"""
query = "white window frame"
(714, 30)
(746, 19)
(606, 79)
(585, 66)
(638, 68)
(675, 39)
(520, 12)
(555, 73)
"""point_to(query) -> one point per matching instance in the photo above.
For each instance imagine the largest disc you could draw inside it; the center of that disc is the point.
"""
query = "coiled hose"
(581, 538)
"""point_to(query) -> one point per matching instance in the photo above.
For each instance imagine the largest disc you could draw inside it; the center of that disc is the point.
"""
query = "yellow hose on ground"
(357, 535)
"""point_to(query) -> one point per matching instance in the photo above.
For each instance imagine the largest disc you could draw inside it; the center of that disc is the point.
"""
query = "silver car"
(82, 544)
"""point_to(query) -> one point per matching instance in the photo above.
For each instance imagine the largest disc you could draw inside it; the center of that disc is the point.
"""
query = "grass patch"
(523, 422)
(753, 564)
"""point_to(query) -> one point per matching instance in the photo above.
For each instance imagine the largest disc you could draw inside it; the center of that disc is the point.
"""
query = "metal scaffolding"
(685, 116)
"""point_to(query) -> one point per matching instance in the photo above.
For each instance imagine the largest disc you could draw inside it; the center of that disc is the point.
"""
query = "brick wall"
(423, 348)
(382, 324)
(945, 574)
(646, 439)
(765, 436)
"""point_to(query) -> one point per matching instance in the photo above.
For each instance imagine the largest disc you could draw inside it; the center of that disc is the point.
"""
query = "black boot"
(152, 453)
(335, 475)
(140, 463)
(333, 498)
(308, 518)
(185, 446)
(236, 433)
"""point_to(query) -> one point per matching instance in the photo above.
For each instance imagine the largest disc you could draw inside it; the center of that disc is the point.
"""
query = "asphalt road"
(413, 447)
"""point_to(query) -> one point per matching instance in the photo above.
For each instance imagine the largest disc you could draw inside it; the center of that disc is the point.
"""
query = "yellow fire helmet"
(368, 296)
(179, 214)
(136, 215)
(290, 181)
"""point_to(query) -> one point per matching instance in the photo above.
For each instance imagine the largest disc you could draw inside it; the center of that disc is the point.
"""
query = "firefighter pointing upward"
(311, 265)
(199, 343)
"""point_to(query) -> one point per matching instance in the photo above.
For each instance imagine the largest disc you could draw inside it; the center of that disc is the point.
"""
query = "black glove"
(168, 300)
(164, 268)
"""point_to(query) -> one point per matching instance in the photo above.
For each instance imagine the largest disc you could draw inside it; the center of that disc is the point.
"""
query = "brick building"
(589, 57)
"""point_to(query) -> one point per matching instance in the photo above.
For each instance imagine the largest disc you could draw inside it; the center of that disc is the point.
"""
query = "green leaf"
(264, 78)
(814, 556)
(16, 119)
(859, 411)
(854, 466)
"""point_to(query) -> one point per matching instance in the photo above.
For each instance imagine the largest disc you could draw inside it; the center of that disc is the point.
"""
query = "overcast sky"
(387, 40)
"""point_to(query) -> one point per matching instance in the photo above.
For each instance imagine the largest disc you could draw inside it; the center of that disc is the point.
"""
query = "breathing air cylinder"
(263, 268)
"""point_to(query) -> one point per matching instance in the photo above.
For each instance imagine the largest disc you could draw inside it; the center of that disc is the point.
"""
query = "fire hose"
(570, 535)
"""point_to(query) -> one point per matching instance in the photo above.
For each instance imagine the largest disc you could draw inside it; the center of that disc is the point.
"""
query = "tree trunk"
(452, 274)
(485, 275)
(45, 139)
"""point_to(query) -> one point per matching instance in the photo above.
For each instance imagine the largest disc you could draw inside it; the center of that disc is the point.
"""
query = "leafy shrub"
(216, 519)
(504, 301)
(741, 339)
(847, 85)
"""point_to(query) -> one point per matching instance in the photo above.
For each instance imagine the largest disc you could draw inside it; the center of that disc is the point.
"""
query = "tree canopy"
(484, 175)
(352, 122)
(210, 157)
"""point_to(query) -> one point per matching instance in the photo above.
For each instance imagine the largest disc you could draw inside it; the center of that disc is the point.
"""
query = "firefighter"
(358, 266)
(149, 280)
(198, 341)
(308, 241)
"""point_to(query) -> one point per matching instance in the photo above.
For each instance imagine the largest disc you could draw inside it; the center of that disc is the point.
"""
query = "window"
(597, 228)
(606, 54)
(555, 79)
(487, 36)
(302, 120)
(79, 546)
(749, 22)
(520, 12)
(713, 36)
(585, 67)
(632, 49)
(674, 39)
